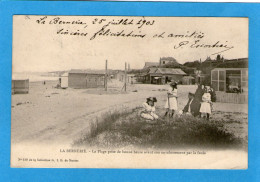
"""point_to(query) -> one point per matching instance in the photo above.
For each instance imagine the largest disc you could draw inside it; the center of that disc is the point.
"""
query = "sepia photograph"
(129, 92)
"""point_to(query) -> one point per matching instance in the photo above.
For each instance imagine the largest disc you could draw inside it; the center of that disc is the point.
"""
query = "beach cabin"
(86, 78)
(64, 80)
(20, 86)
(119, 75)
(230, 84)
(188, 80)
(202, 78)
(131, 78)
(140, 78)
(164, 75)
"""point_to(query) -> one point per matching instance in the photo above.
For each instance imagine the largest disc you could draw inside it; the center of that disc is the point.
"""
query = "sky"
(43, 45)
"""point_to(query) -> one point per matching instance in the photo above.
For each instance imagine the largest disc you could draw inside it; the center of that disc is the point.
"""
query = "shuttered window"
(218, 80)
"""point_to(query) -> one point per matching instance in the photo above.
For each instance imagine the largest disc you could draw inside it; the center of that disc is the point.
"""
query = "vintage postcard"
(129, 92)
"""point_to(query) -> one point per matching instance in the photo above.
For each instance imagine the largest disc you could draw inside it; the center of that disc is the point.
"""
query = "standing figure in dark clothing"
(187, 108)
(195, 104)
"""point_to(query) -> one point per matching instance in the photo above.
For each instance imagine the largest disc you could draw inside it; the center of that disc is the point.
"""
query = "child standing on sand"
(171, 102)
(206, 104)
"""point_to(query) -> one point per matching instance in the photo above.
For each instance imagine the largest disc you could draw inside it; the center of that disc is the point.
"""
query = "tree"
(218, 59)
(208, 58)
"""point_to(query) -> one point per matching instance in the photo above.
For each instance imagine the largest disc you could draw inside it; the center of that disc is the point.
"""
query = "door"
(91, 81)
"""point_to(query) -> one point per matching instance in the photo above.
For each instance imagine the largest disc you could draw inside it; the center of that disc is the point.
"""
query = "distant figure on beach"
(171, 104)
(148, 111)
(206, 104)
(43, 82)
(195, 104)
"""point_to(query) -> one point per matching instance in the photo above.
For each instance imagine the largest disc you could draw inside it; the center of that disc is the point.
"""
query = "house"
(166, 60)
(86, 78)
(120, 76)
(140, 78)
(188, 80)
(147, 76)
(20, 86)
(163, 75)
(230, 84)
(150, 64)
(202, 79)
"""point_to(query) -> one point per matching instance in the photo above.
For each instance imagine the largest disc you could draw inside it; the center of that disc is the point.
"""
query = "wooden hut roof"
(152, 70)
(171, 71)
(188, 77)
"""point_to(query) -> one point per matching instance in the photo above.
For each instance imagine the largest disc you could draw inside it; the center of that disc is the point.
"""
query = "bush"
(127, 128)
(193, 132)
(105, 123)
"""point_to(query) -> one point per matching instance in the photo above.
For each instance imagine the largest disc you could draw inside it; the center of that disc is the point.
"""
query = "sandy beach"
(49, 115)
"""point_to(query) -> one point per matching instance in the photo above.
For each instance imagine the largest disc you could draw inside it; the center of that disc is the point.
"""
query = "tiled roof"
(148, 64)
(171, 71)
(152, 70)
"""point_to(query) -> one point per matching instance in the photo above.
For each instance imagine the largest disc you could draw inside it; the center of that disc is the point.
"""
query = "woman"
(149, 109)
(195, 104)
(171, 102)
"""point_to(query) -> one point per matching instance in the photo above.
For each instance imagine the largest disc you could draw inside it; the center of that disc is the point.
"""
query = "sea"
(35, 76)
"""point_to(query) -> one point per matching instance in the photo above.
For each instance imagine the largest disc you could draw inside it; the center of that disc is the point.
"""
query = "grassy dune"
(128, 129)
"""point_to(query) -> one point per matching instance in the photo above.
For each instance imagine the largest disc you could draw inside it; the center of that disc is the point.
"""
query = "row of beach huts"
(230, 84)
(76, 78)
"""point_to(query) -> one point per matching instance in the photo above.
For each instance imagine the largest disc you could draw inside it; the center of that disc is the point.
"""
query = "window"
(221, 75)
(218, 80)
(221, 79)
(214, 85)
(244, 75)
(244, 84)
(214, 80)
(233, 81)
(214, 75)
(221, 86)
(244, 80)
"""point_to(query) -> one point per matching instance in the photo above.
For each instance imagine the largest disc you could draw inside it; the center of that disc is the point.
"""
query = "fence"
(232, 97)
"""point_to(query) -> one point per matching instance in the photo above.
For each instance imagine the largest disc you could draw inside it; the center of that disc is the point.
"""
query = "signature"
(196, 44)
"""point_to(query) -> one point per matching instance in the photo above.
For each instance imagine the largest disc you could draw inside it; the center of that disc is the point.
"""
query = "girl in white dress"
(171, 102)
(205, 108)
(148, 111)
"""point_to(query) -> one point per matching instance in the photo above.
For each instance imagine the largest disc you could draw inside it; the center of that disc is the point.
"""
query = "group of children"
(199, 104)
